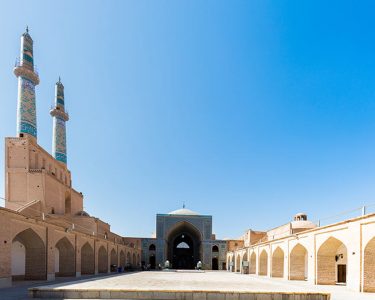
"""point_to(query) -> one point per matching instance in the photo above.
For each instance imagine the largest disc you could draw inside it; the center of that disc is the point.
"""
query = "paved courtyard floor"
(210, 280)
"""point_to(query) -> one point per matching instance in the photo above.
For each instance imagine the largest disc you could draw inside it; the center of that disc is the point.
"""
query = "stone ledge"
(46, 293)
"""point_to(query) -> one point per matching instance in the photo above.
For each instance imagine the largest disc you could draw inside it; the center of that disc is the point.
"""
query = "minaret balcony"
(57, 112)
(26, 71)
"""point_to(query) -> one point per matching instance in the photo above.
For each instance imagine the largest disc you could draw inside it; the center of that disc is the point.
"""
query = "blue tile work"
(26, 116)
(61, 157)
(60, 101)
(27, 50)
(59, 140)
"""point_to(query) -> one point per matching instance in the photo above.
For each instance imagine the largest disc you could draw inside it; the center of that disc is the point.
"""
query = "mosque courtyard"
(195, 285)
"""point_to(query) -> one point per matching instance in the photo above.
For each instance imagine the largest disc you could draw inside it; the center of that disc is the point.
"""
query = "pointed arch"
(277, 263)
(122, 258)
(369, 267)
(102, 260)
(244, 264)
(263, 263)
(113, 257)
(331, 262)
(238, 263)
(33, 263)
(87, 259)
(233, 263)
(66, 258)
(298, 263)
(253, 263)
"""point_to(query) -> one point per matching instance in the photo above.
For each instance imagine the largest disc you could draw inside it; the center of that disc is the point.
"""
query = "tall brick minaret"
(27, 80)
(60, 116)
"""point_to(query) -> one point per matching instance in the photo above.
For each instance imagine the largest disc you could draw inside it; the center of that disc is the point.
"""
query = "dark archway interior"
(184, 243)
(152, 261)
(215, 263)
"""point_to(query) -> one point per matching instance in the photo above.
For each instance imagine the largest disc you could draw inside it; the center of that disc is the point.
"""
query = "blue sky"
(247, 110)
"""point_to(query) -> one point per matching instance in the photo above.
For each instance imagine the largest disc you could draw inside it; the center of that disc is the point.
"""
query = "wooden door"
(341, 273)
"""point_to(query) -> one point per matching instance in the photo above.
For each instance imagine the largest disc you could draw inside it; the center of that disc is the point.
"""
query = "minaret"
(27, 80)
(59, 118)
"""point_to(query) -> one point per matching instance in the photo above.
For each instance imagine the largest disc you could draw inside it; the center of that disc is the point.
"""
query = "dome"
(183, 211)
(82, 213)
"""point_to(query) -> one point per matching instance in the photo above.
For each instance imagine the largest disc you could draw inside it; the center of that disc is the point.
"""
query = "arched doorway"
(238, 263)
(215, 257)
(28, 256)
(128, 259)
(152, 258)
(233, 263)
(298, 263)
(122, 258)
(332, 259)
(369, 267)
(134, 260)
(113, 260)
(184, 246)
(87, 259)
(278, 263)
(64, 258)
(245, 264)
(102, 260)
(253, 263)
(263, 263)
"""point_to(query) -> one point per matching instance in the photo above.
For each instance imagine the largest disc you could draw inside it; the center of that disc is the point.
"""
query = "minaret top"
(59, 109)
(26, 33)
(59, 82)
(25, 64)
(60, 116)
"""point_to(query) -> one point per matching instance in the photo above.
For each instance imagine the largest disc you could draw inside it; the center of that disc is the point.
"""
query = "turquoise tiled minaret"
(59, 118)
(27, 80)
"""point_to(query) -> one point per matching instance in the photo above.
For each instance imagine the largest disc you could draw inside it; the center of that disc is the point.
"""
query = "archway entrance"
(122, 259)
(278, 263)
(245, 264)
(298, 263)
(215, 264)
(152, 258)
(215, 255)
(64, 258)
(102, 260)
(184, 243)
(263, 263)
(238, 263)
(369, 267)
(253, 261)
(87, 259)
(28, 256)
(332, 260)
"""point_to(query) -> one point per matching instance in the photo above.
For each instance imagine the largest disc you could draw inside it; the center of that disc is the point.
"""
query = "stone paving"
(207, 281)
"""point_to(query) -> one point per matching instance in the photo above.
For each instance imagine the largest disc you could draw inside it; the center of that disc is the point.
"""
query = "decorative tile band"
(28, 128)
(59, 139)
(26, 115)
(61, 157)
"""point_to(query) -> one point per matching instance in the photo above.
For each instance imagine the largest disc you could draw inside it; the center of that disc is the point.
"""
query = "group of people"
(167, 265)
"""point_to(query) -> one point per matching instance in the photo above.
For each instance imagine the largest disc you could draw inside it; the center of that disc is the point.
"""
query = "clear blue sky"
(247, 110)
